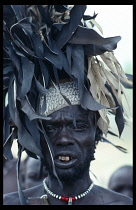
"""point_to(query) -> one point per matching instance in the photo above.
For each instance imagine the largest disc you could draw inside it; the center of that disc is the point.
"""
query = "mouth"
(65, 160)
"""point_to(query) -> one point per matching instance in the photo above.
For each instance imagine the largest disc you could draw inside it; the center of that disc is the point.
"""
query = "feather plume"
(35, 39)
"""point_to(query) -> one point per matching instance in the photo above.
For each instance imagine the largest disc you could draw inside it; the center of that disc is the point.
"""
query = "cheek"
(86, 138)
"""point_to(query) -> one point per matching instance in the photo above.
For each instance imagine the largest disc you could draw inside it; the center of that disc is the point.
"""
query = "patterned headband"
(58, 98)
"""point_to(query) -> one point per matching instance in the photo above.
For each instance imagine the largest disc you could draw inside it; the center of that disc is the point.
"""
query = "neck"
(69, 188)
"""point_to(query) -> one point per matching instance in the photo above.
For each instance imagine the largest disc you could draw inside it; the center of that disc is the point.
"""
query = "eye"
(50, 129)
(80, 127)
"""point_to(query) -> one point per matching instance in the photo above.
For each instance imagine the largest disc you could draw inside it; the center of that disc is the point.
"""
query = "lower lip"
(65, 164)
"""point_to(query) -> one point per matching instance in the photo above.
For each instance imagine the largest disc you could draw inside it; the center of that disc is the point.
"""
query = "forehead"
(67, 114)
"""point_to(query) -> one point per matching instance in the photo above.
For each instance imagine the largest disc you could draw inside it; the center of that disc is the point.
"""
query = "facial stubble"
(76, 172)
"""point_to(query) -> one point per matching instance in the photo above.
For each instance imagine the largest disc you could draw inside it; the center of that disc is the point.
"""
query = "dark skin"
(74, 144)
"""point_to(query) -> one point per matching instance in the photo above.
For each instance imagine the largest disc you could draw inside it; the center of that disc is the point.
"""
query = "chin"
(71, 175)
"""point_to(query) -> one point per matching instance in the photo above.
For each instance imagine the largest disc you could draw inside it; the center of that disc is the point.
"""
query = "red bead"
(66, 199)
(73, 199)
(62, 198)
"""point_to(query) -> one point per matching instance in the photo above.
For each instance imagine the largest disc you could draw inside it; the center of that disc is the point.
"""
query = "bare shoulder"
(13, 198)
(110, 197)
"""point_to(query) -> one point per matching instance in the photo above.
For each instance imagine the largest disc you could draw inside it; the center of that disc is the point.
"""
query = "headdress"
(44, 44)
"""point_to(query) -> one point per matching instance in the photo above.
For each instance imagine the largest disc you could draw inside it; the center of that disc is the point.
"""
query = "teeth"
(64, 158)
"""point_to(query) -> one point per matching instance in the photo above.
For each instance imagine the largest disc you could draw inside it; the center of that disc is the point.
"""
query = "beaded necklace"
(68, 199)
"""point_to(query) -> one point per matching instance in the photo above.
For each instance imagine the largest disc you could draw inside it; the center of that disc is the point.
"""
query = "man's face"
(122, 181)
(73, 146)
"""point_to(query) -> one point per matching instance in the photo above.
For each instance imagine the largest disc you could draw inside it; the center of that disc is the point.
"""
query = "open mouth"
(65, 161)
(65, 158)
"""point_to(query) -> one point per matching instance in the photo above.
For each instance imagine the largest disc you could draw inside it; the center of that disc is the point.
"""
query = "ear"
(98, 135)
(96, 117)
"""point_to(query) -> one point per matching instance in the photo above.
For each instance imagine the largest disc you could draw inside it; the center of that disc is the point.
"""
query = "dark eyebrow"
(79, 117)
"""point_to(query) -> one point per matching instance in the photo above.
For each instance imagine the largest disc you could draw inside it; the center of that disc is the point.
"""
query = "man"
(9, 176)
(73, 151)
(60, 93)
(30, 173)
(121, 180)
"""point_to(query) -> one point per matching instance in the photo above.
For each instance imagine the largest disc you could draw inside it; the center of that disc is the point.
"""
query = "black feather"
(68, 29)
(122, 149)
(28, 72)
(119, 112)
(87, 36)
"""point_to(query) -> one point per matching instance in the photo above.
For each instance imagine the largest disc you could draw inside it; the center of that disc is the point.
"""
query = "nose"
(64, 138)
